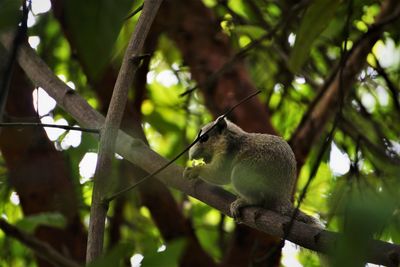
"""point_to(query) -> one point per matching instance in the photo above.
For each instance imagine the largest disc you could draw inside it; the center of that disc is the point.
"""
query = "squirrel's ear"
(221, 124)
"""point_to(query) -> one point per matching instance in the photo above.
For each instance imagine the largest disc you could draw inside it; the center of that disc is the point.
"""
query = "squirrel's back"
(260, 167)
(263, 150)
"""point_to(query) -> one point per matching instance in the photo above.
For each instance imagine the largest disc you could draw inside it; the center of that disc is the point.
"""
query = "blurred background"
(329, 75)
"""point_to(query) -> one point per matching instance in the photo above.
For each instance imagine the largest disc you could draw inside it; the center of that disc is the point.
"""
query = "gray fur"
(260, 167)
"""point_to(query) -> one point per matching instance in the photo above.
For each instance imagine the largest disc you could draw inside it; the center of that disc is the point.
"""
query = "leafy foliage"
(30, 223)
(169, 257)
(9, 14)
(362, 202)
(315, 20)
(95, 26)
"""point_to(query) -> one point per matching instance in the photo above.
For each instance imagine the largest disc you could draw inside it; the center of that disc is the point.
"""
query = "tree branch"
(138, 153)
(163, 167)
(197, 34)
(394, 90)
(42, 249)
(11, 60)
(111, 126)
(341, 80)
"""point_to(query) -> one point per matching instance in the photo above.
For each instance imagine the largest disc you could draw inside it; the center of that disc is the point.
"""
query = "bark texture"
(39, 173)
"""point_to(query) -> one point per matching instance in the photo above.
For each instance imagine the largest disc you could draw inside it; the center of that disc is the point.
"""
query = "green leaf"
(365, 214)
(52, 219)
(94, 26)
(309, 258)
(161, 124)
(9, 13)
(250, 30)
(315, 20)
(115, 256)
(167, 258)
(395, 232)
(241, 8)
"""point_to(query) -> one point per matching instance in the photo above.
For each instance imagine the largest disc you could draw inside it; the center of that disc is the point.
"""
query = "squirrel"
(260, 167)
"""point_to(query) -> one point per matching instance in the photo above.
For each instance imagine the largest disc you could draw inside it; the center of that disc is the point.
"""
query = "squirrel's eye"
(203, 138)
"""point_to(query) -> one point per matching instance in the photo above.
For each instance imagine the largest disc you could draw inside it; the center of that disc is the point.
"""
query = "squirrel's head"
(213, 139)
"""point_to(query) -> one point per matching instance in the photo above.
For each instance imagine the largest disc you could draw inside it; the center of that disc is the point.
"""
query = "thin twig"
(10, 65)
(392, 87)
(327, 100)
(140, 154)
(331, 134)
(244, 51)
(288, 227)
(41, 248)
(321, 153)
(101, 181)
(38, 124)
(229, 63)
(137, 10)
(199, 136)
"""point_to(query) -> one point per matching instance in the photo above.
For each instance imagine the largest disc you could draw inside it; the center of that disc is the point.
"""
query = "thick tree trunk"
(39, 173)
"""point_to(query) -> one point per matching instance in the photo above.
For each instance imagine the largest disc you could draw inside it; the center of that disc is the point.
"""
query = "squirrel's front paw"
(236, 206)
(191, 173)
